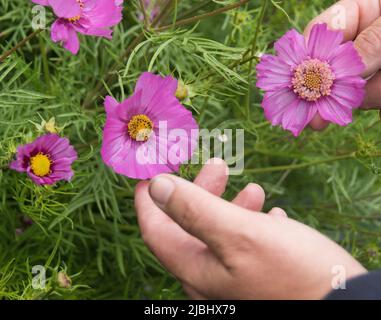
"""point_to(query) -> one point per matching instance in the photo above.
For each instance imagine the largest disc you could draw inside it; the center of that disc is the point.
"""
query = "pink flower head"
(150, 132)
(89, 17)
(46, 160)
(306, 77)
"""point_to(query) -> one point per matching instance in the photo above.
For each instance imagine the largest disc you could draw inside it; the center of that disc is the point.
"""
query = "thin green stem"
(99, 89)
(175, 15)
(196, 8)
(20, 44)
(305, 164)
(253, 48)
(200, 17)
(45, 63)
(88, 100)
(142, 7)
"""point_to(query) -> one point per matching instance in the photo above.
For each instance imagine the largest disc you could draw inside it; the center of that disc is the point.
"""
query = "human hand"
(362, 24)
(229, 250)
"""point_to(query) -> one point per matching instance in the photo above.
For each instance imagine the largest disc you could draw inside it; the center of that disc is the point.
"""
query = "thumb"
(368, 44)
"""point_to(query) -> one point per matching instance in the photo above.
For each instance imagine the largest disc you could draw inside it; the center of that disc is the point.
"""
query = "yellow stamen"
(312, 80)
(140, 127)
(40, 164)
(76, 18)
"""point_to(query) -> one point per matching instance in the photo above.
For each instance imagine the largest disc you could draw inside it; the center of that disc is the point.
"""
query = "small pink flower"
(150, 132)
(89, 17)
(306, 77)
(46, 160)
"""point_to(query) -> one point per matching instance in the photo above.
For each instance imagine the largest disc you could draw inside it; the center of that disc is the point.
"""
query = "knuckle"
(242, 244)
(190, 216)
(369, 41)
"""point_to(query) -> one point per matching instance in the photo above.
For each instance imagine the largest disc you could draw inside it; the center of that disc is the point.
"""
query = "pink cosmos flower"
(46, 160)
(306, 77)
(89, 17)
(150, 132)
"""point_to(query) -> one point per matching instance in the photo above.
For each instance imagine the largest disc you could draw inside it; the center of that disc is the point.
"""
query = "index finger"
(207, 217)
(350, 16)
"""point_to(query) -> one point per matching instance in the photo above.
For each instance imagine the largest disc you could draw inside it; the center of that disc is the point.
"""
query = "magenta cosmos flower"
(306, 77)
(150, 132)
(89, 17)
(46, 160)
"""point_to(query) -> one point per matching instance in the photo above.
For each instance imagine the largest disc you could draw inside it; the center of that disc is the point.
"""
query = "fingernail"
(161, 189)
(217, 161)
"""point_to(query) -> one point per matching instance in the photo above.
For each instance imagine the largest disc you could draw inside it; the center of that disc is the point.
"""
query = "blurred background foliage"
(87, 228)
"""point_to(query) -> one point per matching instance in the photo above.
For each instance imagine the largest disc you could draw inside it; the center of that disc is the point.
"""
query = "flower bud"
(182, 91)
(63, 280)
(50, 126)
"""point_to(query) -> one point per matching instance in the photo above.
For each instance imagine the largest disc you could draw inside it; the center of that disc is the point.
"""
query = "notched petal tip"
(110, 103)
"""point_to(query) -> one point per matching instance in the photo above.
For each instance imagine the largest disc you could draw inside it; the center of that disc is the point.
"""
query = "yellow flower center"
(76, 18)
(312, 80)
(40, 164)
(140, 127)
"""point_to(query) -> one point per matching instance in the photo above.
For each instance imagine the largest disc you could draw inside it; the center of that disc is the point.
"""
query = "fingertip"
(216, 160)
(256, 189)
(218, 163)
(252, 197)
(213, 176)
(161, 188)
(141, 185)
(318, 123)
(278, 213)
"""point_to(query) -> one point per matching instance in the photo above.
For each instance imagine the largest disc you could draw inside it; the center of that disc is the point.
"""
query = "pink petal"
(330, 110)
(59, 31)
(347, 61)
(103, 13)
(349, 91)
(110, 104)
(98, 32)
(323, 43)
(65, 8)
(72, 43)
(298, 115)
(17, 165)
(150, 83)
(273, 73)
(41, 2)
(291, 48)
(275, 104)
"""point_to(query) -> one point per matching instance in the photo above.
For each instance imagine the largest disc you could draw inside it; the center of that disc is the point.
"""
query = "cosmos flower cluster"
(318, 75)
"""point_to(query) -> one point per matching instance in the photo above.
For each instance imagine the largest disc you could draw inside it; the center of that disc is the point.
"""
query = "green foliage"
(88, 228)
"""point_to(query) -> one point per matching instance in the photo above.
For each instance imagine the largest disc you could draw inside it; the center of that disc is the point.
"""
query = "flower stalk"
(296, 166)
(253, 48)
(20, 44)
